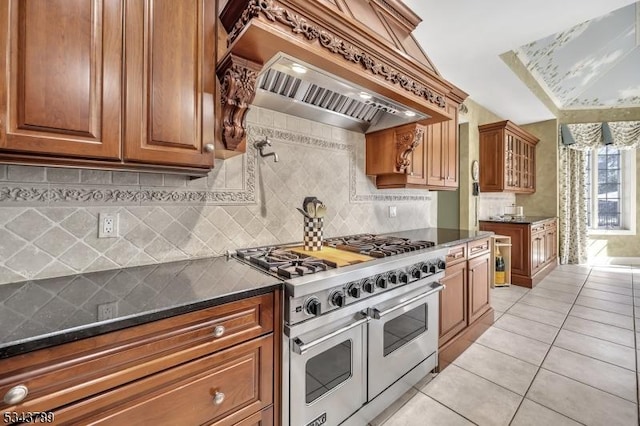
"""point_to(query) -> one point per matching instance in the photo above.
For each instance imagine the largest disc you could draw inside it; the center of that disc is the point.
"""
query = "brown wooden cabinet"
(453, 302)
(415, 156)
(533, 248)
(108, 83)
(214, 366)
(465, 306)
(479, 286)
(507, 158)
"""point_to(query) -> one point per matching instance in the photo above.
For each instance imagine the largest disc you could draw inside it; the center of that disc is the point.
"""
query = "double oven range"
(356, 337)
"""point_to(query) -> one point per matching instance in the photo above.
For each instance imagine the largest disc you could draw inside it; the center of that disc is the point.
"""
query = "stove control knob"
(354, 290)
(393, 277)
(368, 286)
(415, 272)
(313, 307)
(441, 264)
(403, 277)
(426, 269)
(381, 281)
(337, 299)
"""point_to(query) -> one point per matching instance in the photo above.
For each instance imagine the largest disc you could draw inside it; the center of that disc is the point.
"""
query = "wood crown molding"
(237, 21)
(238, 78)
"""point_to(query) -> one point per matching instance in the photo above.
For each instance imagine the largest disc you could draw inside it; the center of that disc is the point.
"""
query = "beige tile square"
(567, 288)
(605, 305)
(613, 353)
(504, 370)
(545, 303)
(611, 333)
(524, 348)
(501, 305)
(553, 294)
(605, 295)
(578, 401)
(528, 328)
(602, 375)
(423, 410)
(610, 288)
(537, 314)
(605, 317)
(475, 398)
(533, 414)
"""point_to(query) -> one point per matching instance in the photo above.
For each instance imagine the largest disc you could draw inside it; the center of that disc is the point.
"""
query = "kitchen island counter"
(527, 220)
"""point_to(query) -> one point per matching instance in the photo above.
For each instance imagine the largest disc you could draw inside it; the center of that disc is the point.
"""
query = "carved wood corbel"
(238, 78)
(406, 143)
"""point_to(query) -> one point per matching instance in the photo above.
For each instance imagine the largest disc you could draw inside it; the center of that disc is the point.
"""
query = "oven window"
(403, 329)
(327, 370)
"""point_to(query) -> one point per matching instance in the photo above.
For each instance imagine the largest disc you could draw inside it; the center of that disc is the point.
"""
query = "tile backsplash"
(493, 203)
(49, 216)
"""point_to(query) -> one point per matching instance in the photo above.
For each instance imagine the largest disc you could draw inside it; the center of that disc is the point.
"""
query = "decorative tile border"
(354, 197)
(53, 194)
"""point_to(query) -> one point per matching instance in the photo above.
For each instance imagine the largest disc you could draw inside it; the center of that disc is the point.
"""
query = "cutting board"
(339, 257)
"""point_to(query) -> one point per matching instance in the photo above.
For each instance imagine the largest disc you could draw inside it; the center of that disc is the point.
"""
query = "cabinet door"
(450, 138)
(169, 81)
(479, 286)
(537, 251)
(61, 70)
(551, 240)
(417, 174)
(435, 155)
(453, 302)
(492, 161)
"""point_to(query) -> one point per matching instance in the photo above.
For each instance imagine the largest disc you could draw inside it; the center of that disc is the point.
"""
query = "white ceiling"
(465, 38)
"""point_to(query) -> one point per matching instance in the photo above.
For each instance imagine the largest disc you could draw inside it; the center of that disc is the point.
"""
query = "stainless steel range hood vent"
(293, 87)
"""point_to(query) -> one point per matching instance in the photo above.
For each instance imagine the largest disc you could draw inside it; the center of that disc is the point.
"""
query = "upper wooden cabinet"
(108, 83)
(415, 155)
(62, 62)
(507, 158)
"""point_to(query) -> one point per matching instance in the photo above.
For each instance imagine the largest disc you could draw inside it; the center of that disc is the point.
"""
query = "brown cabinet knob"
(209, 147)
(16, 394)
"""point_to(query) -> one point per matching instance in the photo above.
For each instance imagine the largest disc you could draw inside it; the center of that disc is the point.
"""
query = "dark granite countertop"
(521, 220)
(442, 237)
(43, 313)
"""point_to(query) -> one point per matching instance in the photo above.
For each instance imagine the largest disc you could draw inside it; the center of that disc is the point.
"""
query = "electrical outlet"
(393, 211)
(108, 225)
(107, 311)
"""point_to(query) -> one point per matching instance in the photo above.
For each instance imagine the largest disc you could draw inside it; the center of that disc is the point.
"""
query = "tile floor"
(563, 353)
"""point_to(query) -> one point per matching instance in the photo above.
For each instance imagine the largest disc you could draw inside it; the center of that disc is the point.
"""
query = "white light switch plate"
(393, 211)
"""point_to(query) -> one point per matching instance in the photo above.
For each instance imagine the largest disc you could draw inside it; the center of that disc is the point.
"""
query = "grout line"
(529, 337)
(592, 357)
(449, 408)
(545, 357)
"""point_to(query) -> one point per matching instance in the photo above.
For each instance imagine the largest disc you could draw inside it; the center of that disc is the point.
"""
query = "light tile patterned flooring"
(565, 353)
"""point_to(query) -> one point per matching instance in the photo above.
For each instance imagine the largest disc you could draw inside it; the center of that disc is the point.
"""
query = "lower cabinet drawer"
(263, 418)
(478, 247)
(67, 373)
(224, 389)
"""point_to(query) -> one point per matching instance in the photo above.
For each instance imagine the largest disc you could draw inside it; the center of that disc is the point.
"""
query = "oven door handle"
(301, 348)
(377, 314)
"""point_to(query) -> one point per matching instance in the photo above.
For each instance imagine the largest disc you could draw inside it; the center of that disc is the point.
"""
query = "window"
(610, 190)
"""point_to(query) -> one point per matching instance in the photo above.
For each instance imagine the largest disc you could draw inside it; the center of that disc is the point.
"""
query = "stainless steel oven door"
(327, 373)
(402, 333)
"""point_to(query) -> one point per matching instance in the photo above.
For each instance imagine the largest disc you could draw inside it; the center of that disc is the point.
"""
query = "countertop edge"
(72, 335)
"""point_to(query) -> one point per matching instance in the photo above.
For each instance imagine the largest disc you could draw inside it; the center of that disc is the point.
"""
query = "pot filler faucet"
(260, 145)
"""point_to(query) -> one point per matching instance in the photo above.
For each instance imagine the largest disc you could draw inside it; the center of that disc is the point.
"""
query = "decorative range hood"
(353, 64)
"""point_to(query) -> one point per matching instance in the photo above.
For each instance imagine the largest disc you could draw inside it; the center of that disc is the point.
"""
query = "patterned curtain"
(584, 137)
(573, 206)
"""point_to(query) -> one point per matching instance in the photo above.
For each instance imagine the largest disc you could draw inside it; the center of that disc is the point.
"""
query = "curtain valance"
(587, 136)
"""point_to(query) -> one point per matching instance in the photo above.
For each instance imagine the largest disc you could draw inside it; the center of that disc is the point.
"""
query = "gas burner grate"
(285, 263)
(377, 246)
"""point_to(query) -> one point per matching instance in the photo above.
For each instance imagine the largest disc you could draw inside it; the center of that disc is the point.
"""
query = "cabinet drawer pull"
(16, 394)
(209, 147)
(219, 331)
(218, 398)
